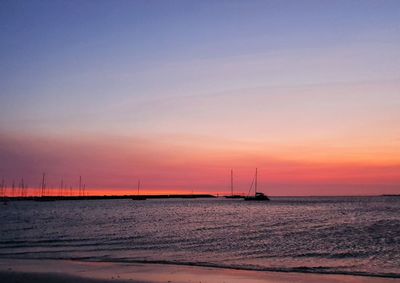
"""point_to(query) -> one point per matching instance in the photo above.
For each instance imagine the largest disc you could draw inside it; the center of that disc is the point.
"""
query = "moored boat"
(258, 196)
(138, 196)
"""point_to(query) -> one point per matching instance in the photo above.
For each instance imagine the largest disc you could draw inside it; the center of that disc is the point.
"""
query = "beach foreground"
(17, 270)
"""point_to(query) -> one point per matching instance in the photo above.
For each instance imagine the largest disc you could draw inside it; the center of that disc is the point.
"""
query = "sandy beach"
(16, 270)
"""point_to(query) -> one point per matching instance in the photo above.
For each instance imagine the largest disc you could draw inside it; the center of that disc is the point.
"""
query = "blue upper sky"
(59, 56)
(55, 38)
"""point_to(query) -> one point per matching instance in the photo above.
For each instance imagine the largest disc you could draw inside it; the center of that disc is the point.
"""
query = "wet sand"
(17, 270)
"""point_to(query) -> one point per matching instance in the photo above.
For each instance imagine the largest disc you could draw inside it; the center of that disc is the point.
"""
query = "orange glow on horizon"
(112, 167)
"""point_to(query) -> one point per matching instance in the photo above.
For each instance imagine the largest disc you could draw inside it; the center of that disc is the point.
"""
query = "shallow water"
(355, 235)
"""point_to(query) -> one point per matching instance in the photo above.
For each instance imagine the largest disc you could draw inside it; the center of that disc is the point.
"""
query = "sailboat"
(257, 195)
(232, 195)
(138, 197)
(44, 197)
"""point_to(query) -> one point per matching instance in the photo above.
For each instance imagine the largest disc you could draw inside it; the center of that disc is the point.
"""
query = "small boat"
(258, 196)
(138, 197)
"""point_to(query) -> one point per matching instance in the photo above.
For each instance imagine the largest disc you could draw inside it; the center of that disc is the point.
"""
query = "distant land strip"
(58, 198)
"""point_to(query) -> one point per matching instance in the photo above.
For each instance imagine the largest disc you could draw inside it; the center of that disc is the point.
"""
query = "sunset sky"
(176, 93)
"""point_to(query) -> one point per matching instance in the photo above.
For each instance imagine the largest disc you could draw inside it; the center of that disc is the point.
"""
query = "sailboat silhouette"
(138, 196)
(257, 195)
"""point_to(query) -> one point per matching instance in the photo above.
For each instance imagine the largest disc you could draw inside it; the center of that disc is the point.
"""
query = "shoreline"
(299, 270)
(74, 271)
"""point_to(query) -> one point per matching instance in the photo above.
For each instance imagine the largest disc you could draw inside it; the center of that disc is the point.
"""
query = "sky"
(178, 93)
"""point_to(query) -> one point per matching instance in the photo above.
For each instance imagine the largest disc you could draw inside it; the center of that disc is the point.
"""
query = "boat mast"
(255, 184)
(80, 186)
(22, 187)
(43, 185)
(231, 182)
(61, 187)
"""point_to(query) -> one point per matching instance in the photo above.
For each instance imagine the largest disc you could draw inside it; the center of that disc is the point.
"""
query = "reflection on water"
(310, 234)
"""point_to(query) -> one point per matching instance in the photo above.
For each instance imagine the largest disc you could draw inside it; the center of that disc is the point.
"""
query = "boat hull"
(256, 199)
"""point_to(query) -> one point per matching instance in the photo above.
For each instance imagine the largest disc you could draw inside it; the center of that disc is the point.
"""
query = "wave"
(337, 255)
(298, 269)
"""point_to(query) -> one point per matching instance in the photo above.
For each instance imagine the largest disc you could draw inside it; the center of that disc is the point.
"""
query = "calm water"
(343, 235)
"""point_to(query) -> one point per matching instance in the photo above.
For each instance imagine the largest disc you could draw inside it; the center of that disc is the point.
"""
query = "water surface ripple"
(351, 235)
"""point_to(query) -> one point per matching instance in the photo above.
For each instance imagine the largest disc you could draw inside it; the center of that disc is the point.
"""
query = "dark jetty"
(59, 198)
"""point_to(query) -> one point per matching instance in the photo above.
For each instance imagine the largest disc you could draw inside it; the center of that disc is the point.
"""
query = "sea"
(333, 235)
